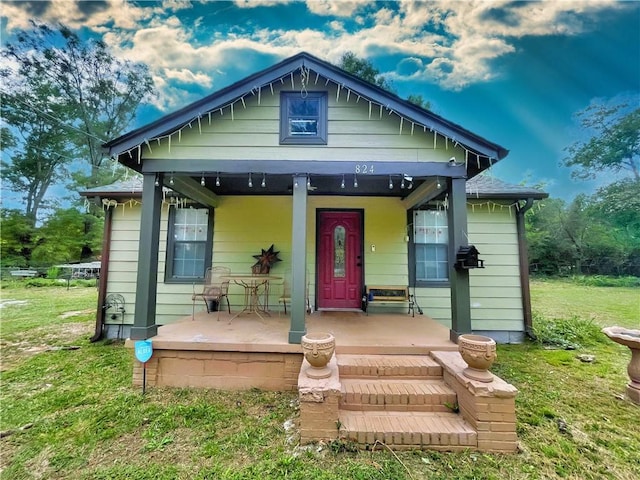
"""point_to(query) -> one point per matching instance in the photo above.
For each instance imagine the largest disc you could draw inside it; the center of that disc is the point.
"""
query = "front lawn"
(73, 413)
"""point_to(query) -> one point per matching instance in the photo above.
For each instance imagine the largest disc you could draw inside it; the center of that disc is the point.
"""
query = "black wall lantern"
(467, 257)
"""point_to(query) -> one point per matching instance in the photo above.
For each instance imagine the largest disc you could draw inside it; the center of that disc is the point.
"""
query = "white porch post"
(299, 260)
(144, 323)
(460, 296)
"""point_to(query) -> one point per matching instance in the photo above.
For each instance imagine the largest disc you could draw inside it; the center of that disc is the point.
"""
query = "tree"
(16, 241)
(101, 91)
(40, 147)
(67, 236)
(363, 69)
(591, 235)
(614, 144)
(419, 101)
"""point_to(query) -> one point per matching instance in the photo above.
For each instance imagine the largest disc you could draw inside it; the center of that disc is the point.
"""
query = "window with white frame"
(189, 244)
(303, 118)
(431, 245)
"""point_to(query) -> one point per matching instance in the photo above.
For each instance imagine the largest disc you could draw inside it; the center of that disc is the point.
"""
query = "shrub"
(56, 282)
(568, 333)
(53, 272)
(606, 281)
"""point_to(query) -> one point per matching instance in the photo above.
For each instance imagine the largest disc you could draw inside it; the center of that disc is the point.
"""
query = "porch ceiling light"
(171, 180)
(250, 181)
(308, 182)
(342, 183)
(157, 182)
(202, 182)
(402, 185)
(390, 183)
(438, 184)
(218, 180)
(355, 181)
(264, 181)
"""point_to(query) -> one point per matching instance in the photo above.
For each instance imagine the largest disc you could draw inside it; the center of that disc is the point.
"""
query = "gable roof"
(487, 152)
(481, 187)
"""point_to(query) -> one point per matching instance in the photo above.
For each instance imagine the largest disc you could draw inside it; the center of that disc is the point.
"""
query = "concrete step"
(396, 394)
(408, 430)
(388, 366)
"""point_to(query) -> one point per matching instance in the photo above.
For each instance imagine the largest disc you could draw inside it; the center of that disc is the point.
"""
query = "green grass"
(555, 298)
(89, 422)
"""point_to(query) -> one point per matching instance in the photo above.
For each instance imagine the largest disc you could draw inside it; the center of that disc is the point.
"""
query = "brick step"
(396, 394)
(408, 430)
(388, 366)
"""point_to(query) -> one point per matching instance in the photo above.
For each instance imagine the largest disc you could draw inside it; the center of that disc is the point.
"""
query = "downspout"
(523, 256)
(104, 274)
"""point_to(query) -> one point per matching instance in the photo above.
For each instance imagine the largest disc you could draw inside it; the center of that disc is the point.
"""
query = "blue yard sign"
(143, 350)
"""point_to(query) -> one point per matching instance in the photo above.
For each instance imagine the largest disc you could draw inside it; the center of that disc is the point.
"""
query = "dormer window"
(303, 118)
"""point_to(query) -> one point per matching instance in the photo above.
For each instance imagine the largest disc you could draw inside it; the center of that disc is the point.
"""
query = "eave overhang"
(128, 149)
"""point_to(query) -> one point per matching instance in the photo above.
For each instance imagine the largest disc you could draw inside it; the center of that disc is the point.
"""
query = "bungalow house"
(365, 197)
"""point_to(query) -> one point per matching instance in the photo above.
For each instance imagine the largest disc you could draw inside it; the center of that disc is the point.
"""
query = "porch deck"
(355, 333)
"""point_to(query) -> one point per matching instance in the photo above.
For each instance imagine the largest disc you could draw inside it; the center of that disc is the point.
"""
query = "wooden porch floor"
(355, 333)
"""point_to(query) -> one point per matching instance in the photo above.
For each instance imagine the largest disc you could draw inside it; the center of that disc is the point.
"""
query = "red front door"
(339, 259)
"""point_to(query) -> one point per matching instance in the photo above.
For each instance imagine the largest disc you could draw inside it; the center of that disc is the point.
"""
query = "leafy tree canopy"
(614, 143)
(68, 236)
(96, 94)
(365, 70)
(17, 239)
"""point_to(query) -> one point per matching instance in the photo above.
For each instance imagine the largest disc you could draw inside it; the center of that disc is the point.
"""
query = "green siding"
(353, 134)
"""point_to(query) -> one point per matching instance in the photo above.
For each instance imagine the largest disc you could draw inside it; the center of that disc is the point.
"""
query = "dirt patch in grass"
(43, 339)
(75, 313)
(38, 466)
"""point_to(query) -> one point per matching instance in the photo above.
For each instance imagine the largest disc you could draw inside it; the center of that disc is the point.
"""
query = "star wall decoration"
(265, 260)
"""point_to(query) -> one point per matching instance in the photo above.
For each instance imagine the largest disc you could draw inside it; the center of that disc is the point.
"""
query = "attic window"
(303, 118)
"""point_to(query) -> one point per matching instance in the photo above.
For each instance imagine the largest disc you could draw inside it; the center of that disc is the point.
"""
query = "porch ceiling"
(369, 185)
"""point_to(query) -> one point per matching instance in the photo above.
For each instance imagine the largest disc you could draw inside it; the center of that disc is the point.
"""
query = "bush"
(56, 282)
(53, 272)
(606, 281)
(568, 333)
(593, 280)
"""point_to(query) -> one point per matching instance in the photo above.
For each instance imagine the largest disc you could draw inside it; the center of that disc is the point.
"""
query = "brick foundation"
(221, 370)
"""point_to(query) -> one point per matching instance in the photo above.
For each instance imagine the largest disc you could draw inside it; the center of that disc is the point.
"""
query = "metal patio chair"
(214, 289)
(286, 293)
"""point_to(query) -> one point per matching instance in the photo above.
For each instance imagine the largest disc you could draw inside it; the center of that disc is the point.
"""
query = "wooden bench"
(388, 294)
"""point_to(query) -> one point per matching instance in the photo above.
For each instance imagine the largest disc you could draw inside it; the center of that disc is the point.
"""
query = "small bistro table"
(251, 284)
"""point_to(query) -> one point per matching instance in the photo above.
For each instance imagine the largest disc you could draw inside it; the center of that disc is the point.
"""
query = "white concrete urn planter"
(318, 349)
(479, 352)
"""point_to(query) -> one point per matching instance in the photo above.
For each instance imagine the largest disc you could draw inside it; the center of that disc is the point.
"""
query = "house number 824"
(364, 169)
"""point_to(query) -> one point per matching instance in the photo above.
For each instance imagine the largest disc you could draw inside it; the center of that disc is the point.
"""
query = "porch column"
(460, 297)
(144, 325)
(299, 260)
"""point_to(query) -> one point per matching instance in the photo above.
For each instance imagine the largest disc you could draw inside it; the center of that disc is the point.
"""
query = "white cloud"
(75, 14)
(259, 3)
(454, 44)
(187, 76)
(335, 8)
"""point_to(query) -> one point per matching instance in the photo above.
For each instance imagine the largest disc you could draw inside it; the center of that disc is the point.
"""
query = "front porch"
(248, 352)
(355, 332)
(395, 379)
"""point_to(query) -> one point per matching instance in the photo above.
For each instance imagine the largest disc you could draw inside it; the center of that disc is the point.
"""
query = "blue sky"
(513, 72)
